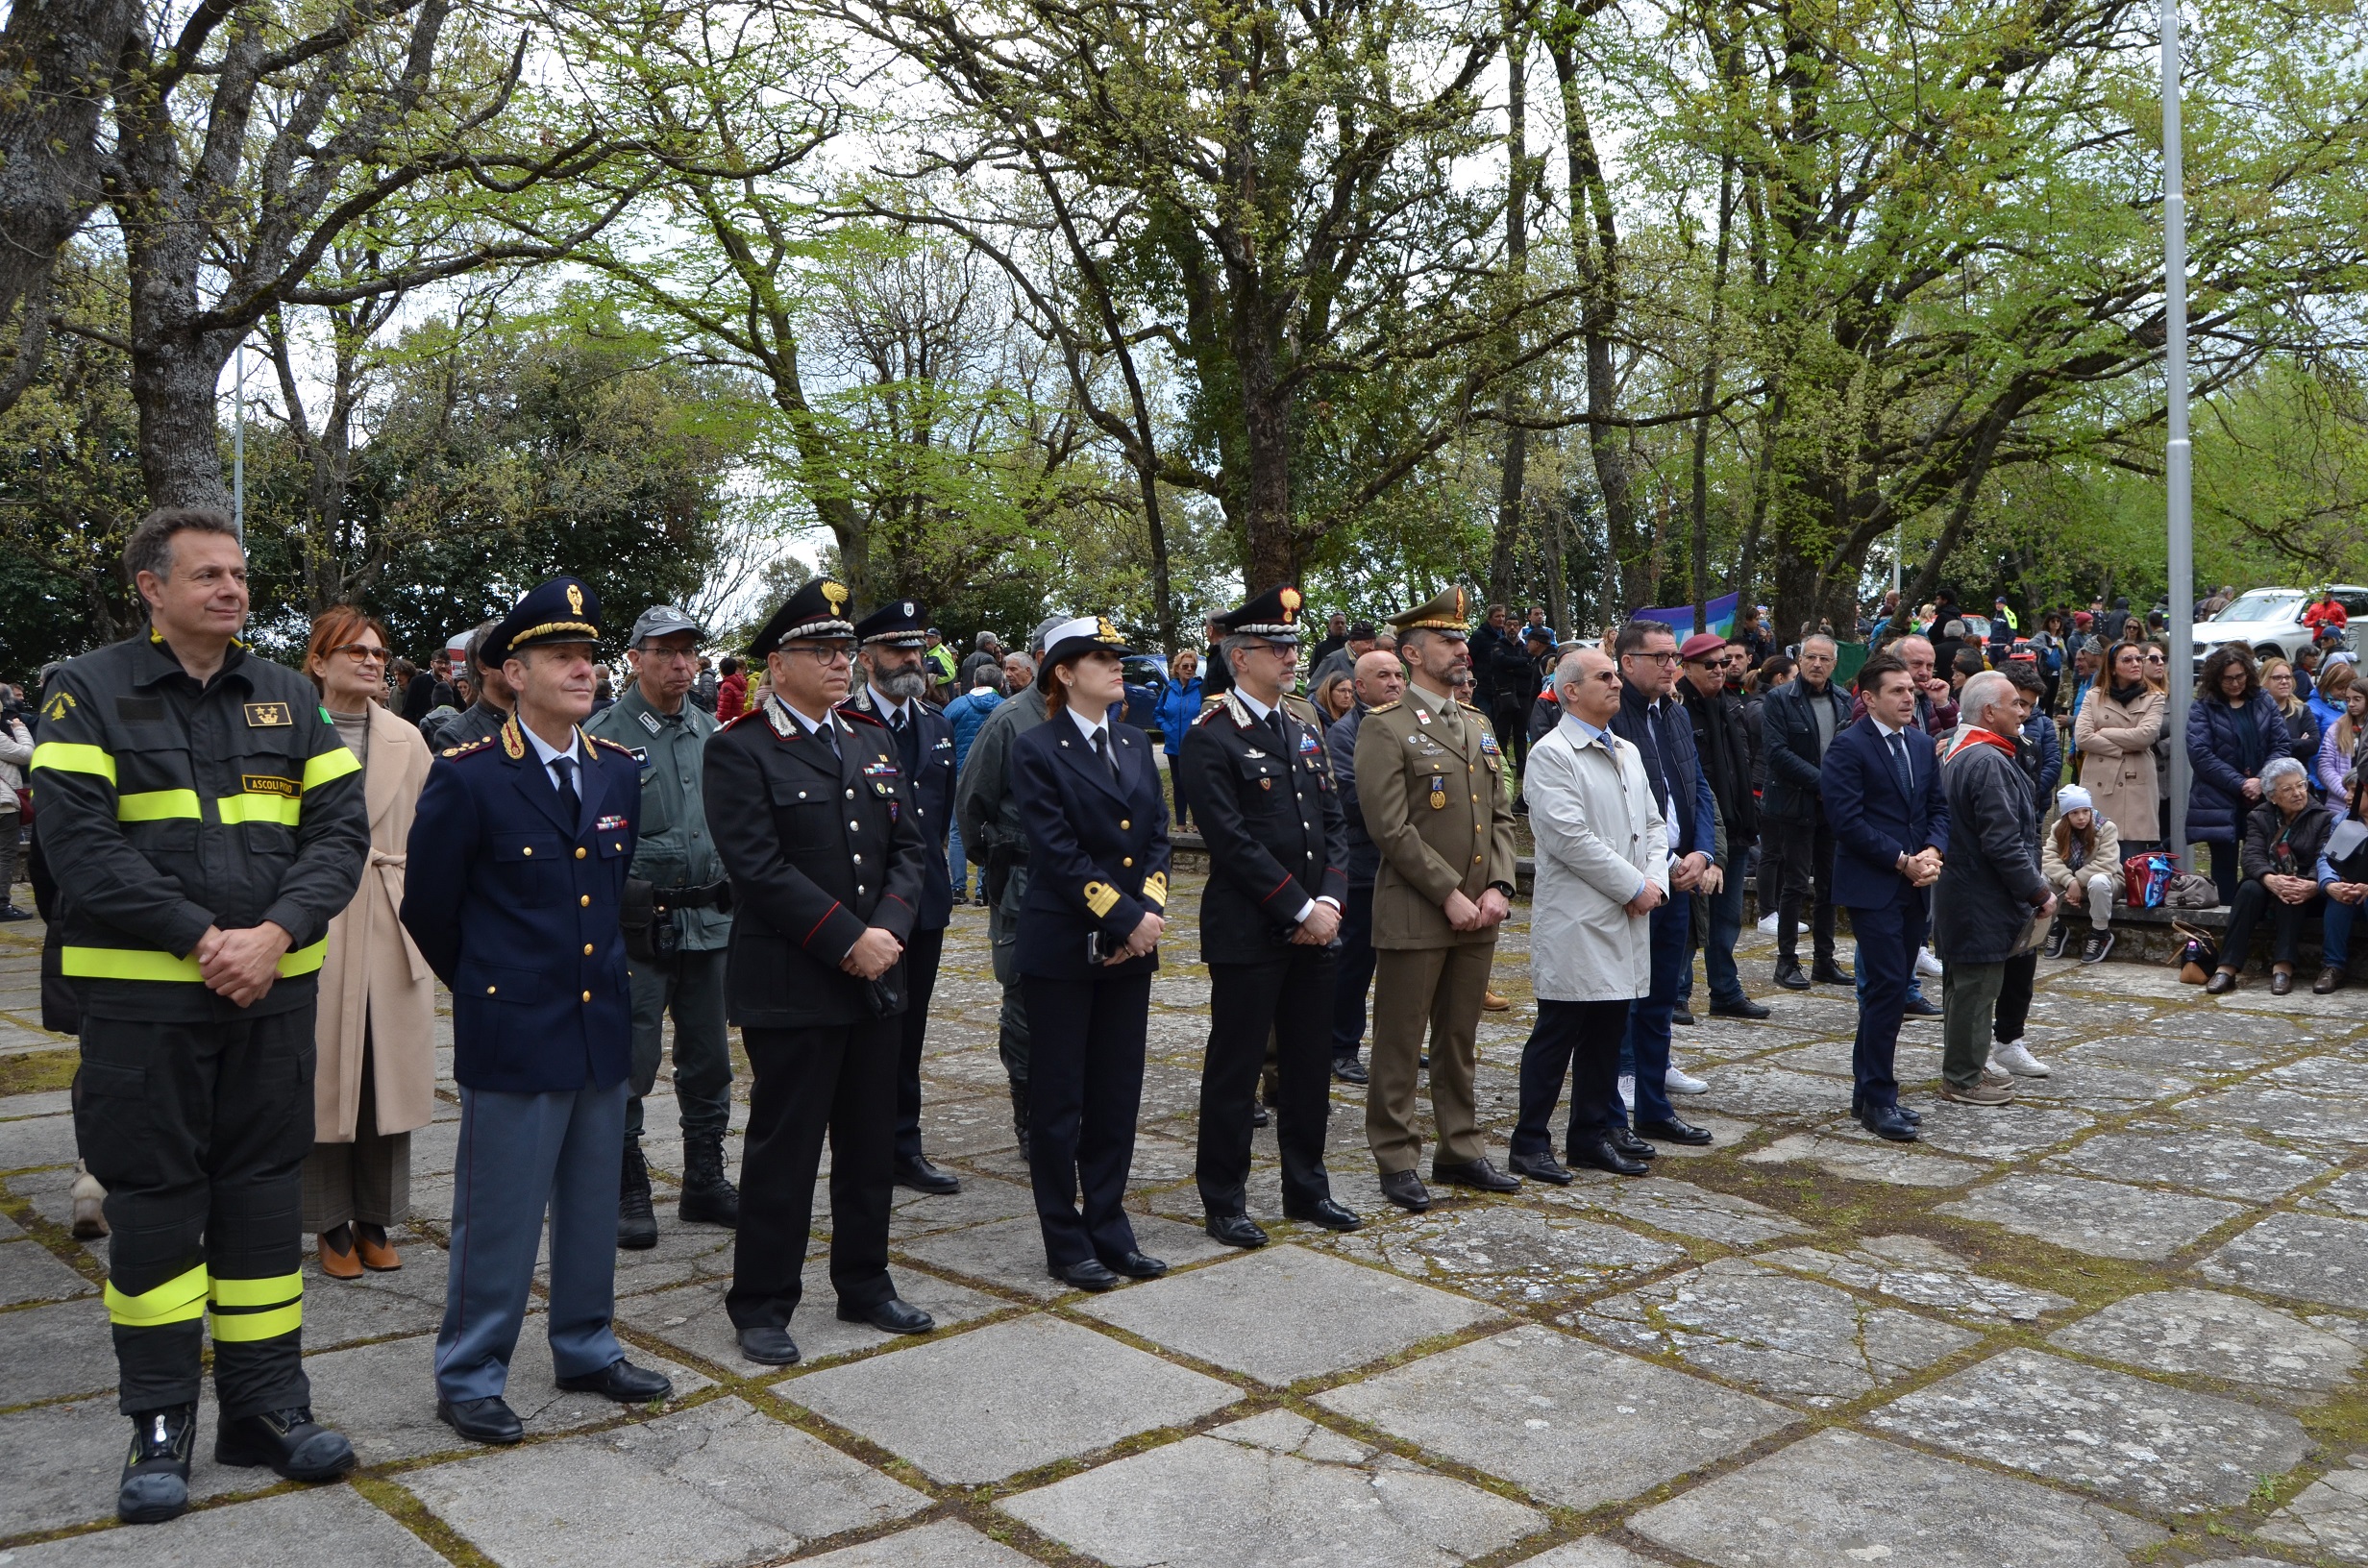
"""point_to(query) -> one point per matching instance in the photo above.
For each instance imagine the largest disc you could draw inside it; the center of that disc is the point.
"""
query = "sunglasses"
(359, 653)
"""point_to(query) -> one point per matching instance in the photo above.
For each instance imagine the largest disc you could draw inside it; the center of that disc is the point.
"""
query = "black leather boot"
(636, 1222)
(290, 1441)
(1018, 1113)
(155, 1471)
(708, 1196)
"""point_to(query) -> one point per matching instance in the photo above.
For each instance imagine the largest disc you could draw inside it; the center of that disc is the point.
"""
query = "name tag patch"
(268, 784)
(268, 716)
(648, 721)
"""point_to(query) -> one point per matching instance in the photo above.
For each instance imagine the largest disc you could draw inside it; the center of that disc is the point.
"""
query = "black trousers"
(1181, 821)
(1803, 857)
(1512, 723)
(1579, 1041)
(922, 953)
(1290, 997)
(809, 1081)
(1352, 972)
(2227, 869)
(1085, 1089)
(2014, 997)
(2253, 904)
(199, 1131)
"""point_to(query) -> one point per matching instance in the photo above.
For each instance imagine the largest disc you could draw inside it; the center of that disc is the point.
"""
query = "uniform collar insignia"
(783, 724)
(513, 744)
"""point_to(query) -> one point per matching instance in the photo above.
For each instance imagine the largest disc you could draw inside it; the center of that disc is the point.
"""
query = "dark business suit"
(1877, 817)
(1098, 860)
(819, 847)
(513, 901)
(1665, 735)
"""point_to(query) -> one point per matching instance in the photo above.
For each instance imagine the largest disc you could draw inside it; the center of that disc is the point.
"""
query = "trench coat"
(373, 974)
(2119, 743)
(1600, 838)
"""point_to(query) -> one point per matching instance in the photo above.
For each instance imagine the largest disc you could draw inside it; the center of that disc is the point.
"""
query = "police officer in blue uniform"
(1097, 824)
(519, 854)
(826, 868)
(889, 644)
(1269, 918)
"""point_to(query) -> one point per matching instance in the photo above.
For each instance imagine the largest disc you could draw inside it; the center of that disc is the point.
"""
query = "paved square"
(2218, 1336)
(322, 1527)
(1514, 1254)
(2101, 1217)
(1007, 1398)
(2307, 1257)
(2222, 1164)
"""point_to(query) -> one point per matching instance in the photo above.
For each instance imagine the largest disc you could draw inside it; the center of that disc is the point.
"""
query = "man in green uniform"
(676, 930)
(1430, 779)
(203, 822)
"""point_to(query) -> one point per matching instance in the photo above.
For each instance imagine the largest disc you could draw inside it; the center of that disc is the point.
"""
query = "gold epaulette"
(471, 747)
(1387, 707)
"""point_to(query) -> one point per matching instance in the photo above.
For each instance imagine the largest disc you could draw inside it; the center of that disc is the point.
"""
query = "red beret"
(1701, 646)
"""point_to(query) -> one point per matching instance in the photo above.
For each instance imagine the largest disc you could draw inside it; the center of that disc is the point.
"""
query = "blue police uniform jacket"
(516, 910)
(925, 751)
(1097, 847)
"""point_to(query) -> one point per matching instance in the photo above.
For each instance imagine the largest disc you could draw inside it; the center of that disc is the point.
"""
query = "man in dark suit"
(1881, 785)
(890, 644)
(1798, 724)
(1380, 680)
(523, 842)
(1269, 919)
(828, 871)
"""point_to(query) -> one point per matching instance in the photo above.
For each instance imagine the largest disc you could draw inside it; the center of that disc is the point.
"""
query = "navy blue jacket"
(1271, 820)
(1874, 821)
(1340, 744)
(515, 909)
(925, 751)
(1696, 825)
(1788, 741)
(2044, 762)
(1097, 847)
(2216, 803)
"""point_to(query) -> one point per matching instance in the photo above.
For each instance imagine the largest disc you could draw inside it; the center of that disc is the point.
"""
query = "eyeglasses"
(822, 653)
(2157, 658)
(1666, 661)
(360, 652)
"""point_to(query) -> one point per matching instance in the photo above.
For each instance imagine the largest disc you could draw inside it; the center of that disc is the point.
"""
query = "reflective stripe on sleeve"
(275, 1292)
(259, 808)
(281, 1298)
(329, 766)
(176, 1300)
(156, 805)
(69, 757)
(136, 963)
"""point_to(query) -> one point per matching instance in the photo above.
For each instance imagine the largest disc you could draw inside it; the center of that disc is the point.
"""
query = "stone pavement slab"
(1594, 1552)
(62, 1462)
(1679, 1207)
(1786, 1336)
(1839, 1498)
(1513, 1253)
(1923, 1273)
(2102, 1219)
(1763, 1090)
(691, 1318)
(2330, 1516)
(2216, 1334)
(2197, 1055)
(2163, 1447)
(35, 1142)
(2336, 1075)
(948, 1543)
(718, 1484)
(1277, 1489)
(1007, 1398)
(1986, 1131)
(1568, 1421)
(2309, 1257)
(2282, 1114)
(320, 1526)
(30, 1271)
(2346, 1195)
(49, 1352)
(408, 1300)
(2225, 1165)
(1862, 1161)
(1283, 1313)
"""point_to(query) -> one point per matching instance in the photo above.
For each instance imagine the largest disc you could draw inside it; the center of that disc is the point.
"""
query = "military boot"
(155, 1471)
(708, 1196)
(636, 1222)
(1018, 1113)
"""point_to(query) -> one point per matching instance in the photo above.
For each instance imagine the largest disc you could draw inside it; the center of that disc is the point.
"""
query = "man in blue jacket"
(1880, 786)
(523, 844)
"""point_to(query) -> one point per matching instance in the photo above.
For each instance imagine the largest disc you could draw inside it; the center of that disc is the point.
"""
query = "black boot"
(1018, 1113)
(155, 1471)
(290, 1441)
(708, 1196)
(636, 1222)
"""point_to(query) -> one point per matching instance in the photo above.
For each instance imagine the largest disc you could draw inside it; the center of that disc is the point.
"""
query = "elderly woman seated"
(2283, 836)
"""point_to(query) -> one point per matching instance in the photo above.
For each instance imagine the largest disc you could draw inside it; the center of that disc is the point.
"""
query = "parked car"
(2269, 620)
(1147, 677)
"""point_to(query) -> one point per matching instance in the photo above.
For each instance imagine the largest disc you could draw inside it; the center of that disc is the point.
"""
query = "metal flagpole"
(239, 443)
(2177, 455)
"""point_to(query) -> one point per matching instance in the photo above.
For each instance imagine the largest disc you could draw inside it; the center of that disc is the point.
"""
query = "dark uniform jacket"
(1788, 737)
(1271, 821)
(1097, 847)
(925, 753)
(820, 849)
(167, 807)
(1340, 744)
(516, 908)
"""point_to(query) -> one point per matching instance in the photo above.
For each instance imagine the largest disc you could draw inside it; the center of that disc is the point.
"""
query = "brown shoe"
(2281, 983)
(338, 1265)
(2221, 983)
(1493, 1002)
(1992, 1078)
(376, 1251)
(1982, 1093)
(2329, 979)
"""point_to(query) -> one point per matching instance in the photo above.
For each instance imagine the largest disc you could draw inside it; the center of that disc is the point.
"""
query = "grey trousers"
(1969, 1002)
(690, 985)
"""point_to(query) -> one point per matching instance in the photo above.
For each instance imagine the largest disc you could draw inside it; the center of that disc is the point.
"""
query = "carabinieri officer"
(519, 854)
(1261, 786)
(1097, 823)
(826, 868)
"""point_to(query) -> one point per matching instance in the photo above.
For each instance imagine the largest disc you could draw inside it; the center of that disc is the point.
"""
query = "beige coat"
(2117, 744)
(2105, 861)
(1600, 837)
(373, 973)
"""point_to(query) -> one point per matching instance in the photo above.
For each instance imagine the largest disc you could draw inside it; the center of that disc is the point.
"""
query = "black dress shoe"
(921, 1176)
(1827, 973)
(1350, 1070)
(1324, 1212)
(2221, 983)
(1260, 1116)
(1135, 1266)
(290, 1441)
(622, 1381)
(1912, 1117)
(1405, 1188)
(769, 1346)
(482, 1420)
(1093, 1274)
(1477, 1173)
(1600, 1154)
(1628, 1143)
(1539, 1168)
(1683, 1017)
(1671, 1130)
(1918, 1008)
(155, 1470)
(1234, 1230)
(2280, 982)
(890, 1316)
(1886, 1122)
(1744, 1009)
(1790, 977)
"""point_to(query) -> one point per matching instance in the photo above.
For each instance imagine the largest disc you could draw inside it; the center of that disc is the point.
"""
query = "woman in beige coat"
(2115, 733)
(376, 1030)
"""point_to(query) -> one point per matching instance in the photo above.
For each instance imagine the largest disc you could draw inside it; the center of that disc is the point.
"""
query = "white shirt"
(891, 711)
(1090, 729)
(545, 752)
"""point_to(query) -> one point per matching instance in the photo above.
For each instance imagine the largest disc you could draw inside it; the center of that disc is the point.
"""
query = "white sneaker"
(1628, 1090)
(1926, 965)
(1681, 1082)
(1767, 923)
(2017, 1058)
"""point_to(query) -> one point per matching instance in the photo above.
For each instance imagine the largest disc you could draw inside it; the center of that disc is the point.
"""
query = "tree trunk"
(1513, 475)
(1710, 394)
(1271, 557)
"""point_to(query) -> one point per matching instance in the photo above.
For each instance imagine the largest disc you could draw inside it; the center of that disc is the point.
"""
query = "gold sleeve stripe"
(1101, 898)
(1155, 888)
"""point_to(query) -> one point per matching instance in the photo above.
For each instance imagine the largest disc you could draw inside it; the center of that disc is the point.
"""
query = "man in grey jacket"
(1991, 893)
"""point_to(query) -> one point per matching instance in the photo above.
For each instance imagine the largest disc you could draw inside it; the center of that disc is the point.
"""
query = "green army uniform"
(988, 814)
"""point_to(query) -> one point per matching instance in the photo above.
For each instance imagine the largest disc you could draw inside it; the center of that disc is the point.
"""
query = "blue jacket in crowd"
(966, 713)
(1179, 704)
(2224, 750)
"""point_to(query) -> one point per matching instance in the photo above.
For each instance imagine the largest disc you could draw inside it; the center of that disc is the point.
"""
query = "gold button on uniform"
(580, 851)
(489, 990)
(587, 995)
(1125, 824)
(584, 901)
(1128, 860)
(528, 851)
(587, 949)
(1476, 859)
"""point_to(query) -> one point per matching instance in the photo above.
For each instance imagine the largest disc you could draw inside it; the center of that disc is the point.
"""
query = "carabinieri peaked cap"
(562, 610)
(897, 623)
(1274, 614)
(817, 610)
(1446, 613)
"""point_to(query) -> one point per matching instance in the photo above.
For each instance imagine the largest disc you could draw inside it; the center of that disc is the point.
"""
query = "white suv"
(2269, 620)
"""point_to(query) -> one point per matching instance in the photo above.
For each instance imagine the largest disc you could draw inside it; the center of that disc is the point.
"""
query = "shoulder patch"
(603, 740)
(1390, 706)
(470, 750)
(862, 715)
(1206, 714)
